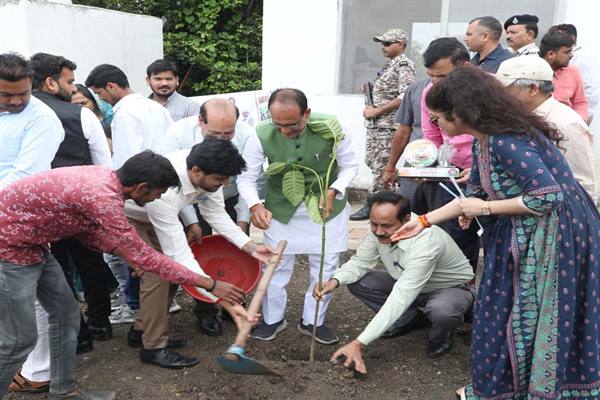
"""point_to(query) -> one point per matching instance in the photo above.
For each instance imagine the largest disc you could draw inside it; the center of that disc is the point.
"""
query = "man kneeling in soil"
(428, 272)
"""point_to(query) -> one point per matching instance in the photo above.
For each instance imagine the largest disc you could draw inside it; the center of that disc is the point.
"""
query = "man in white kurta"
(291, 127)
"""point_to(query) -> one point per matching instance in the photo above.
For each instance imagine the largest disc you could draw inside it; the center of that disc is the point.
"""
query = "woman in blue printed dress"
(536, 331)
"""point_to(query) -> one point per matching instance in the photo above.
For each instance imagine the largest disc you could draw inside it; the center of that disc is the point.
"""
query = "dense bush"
(215, 43)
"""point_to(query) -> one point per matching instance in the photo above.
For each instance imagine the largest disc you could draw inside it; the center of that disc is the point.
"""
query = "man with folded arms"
(428, 272)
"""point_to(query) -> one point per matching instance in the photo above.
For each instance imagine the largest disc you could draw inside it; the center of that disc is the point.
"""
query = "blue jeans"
(19, 287)
(128, 286)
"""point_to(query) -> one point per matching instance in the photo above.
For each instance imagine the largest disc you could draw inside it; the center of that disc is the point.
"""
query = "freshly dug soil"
(397, 368)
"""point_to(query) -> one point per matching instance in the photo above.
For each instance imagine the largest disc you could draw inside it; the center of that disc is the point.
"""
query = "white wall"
(87, 35)
(300, 49)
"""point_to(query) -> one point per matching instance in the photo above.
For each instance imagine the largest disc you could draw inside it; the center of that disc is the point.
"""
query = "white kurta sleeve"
(347, 163)
(246, 181)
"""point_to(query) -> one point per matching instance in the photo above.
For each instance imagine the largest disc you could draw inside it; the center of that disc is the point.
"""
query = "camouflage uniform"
(393, 80)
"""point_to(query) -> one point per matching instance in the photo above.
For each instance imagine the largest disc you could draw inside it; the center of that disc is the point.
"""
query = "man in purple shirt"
(440, 58)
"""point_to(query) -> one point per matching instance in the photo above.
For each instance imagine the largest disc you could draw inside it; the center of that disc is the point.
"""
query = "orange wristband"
(424, 221)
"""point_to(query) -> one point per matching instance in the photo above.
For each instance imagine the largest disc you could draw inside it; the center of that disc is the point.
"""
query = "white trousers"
(275, 300)
(37, 365)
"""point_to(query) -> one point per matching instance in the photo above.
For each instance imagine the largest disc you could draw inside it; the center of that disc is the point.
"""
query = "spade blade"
(235, 361)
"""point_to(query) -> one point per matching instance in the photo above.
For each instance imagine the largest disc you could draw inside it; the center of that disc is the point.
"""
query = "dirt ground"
(398, 368)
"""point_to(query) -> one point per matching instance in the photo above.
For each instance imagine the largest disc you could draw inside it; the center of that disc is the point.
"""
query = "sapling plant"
(315, 196)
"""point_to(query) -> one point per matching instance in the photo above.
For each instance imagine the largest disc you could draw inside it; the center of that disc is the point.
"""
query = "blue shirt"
(28, 141)
(493, 60)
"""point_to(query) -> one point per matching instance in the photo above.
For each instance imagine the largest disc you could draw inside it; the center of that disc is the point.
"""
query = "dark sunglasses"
(387, 44)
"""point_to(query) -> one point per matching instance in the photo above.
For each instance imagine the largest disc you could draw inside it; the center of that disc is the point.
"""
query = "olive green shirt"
(427, 262)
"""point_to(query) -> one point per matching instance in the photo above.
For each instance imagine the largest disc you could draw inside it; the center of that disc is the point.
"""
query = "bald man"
(218, 118)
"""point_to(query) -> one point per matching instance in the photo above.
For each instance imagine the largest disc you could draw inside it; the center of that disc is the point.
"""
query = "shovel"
(234, 360)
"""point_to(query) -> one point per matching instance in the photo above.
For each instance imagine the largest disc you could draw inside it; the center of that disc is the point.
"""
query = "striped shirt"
(180, 107)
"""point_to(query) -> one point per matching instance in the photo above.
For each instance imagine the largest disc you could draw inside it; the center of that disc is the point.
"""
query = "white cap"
(524, 67)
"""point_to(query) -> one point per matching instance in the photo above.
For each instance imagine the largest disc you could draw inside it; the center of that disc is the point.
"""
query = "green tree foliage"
(216, 44)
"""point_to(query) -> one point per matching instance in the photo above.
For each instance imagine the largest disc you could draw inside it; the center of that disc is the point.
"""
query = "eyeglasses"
(295, 125)
(387, 44)
(434, 119)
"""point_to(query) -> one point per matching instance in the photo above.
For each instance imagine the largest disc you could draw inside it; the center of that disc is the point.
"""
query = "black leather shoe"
(100, 332)
(361, 214)
(210, 325)
(134, 339)
(167, 358)
(84, 345)
(436, 349)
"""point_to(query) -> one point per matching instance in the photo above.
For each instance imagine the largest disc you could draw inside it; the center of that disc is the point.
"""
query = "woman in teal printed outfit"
(536, 331)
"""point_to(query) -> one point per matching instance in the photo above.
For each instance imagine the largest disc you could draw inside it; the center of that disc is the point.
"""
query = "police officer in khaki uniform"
(388, 91)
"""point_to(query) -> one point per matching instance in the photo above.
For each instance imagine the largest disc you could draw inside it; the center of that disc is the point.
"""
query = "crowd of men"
(146, 176)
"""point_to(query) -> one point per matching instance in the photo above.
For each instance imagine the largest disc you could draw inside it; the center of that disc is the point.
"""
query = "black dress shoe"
(361, 214)
(84, 345)
(436, 349)
(134, 339)
(167, 358)
(210, 325)
(100, 332)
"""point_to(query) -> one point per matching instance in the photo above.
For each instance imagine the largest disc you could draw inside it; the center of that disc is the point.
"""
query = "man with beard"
(426, 275)
(85, 202)
(163, 79)
(202, 171)
(30, 132)
(557, 49)
(84, 144)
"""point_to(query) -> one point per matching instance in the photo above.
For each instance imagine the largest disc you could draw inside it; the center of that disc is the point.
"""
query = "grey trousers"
(19, 287)
(445, 308)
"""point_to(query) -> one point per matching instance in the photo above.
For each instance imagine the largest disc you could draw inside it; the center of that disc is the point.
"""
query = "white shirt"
(577, 144)
(185, 133)
(138, 124)
(28, 141)
(163, 215)
(94, 134)
(590, 73)
(527, 50)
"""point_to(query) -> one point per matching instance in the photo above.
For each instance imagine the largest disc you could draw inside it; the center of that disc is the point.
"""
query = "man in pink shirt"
(557, 49)
(86, 203)
(440, 58)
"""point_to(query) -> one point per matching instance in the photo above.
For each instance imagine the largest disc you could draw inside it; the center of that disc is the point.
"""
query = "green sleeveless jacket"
(310, 149)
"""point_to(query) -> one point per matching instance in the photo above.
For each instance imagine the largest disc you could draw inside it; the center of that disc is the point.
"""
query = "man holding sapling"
(427, 274)
(299, 146)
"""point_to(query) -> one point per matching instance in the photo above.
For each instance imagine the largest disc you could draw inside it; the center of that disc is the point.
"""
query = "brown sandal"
(22, 384)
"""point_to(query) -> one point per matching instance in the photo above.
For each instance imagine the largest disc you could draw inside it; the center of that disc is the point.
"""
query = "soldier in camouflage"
(388, 92)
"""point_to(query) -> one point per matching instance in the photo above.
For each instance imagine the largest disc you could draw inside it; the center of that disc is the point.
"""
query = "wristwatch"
(485, 210)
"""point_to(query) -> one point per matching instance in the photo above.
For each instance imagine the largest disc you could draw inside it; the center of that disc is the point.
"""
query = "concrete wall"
(87, 35)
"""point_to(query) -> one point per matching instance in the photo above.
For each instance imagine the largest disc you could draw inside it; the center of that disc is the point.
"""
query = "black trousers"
(430, 196)
(94, 273)
(202, 309)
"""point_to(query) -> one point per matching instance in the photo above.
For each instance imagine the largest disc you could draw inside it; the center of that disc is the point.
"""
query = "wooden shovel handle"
(263, 284)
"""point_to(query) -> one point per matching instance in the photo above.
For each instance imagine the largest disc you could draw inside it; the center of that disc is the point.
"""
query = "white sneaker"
(116, 301)
(174, 307)
(123, 315)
